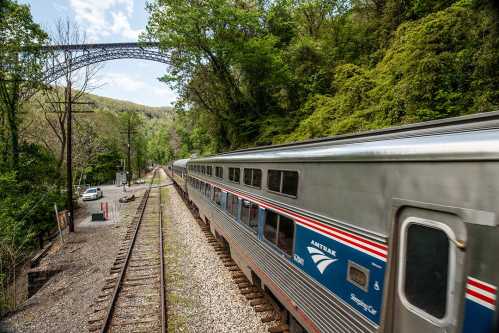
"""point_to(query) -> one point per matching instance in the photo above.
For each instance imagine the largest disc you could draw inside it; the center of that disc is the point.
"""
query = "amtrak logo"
(321, 260)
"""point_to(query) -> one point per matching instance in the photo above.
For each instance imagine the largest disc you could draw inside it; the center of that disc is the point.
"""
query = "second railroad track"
(133, 298)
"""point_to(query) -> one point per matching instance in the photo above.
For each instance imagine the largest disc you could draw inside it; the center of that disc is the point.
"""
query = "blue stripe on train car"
(477, 318)
(479, 307)
(327, 261)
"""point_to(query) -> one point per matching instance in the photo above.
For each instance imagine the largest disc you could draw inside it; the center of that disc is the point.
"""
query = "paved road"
(112, 194)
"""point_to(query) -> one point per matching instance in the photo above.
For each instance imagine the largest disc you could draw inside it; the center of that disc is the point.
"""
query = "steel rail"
(164, 314)
(117, 288)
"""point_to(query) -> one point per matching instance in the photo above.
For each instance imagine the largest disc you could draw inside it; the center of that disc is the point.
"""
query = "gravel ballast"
(205, 297)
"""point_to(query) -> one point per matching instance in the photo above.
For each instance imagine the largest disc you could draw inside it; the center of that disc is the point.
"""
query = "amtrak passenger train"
(392, 231)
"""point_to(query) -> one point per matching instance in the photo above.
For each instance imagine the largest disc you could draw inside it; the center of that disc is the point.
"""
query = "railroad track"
(133, 298)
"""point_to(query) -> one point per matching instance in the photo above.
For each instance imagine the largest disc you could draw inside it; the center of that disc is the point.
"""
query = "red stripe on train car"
(363, 247)
(482, 297)
(480, 285)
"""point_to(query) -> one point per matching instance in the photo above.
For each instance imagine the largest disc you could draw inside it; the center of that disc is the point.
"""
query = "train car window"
(232, 204)
(209, 170)
(217, 196)
(245, 211)
(285, 235)
(219, 172)
(249, 215)
(253, 220)
(426, 269)
(253, 177)
(280, 230)
(274, 180)
(290, 182)
(247, 176)
(270, 227)
(283, 181)
(257, 178)
(234, 174)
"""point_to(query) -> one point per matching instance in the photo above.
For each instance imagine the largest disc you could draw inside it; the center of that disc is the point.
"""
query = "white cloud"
(121, 26)
(101, 18)
(165, 94)
(123, 82)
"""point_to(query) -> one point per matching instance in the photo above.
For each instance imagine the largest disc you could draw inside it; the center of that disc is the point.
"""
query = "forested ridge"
(255, 72)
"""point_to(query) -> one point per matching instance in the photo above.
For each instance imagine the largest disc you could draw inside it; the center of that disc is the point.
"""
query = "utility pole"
(69, 155)
(129, 132)
(68, 106)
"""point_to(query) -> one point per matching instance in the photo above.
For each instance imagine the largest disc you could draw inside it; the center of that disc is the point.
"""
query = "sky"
(110, 21)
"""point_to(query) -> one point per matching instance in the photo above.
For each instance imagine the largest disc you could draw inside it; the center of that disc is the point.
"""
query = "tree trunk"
(60, 160)
(11, 110)
(3, 139)
(14, 134)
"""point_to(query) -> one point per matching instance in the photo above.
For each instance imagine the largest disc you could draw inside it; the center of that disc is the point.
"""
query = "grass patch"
(174, 279)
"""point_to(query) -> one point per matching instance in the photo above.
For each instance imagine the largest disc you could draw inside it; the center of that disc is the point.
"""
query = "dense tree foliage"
(252, 72)
(27, 193)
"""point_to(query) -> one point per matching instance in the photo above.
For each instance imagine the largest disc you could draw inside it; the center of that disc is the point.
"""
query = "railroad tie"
(247, 291)
(263, 308)
(258, 301)
(252, 296)
(243, 285)
(240, 280)
(237, 274)
(95, 320)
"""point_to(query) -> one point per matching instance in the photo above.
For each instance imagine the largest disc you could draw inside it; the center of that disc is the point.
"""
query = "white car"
(92, 193)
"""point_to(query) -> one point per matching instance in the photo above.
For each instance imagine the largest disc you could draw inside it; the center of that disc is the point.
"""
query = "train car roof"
(473, 137)
(181, 163)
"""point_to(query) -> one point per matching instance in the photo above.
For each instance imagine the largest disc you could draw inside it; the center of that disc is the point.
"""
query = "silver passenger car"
(387, 231)
(178, 172)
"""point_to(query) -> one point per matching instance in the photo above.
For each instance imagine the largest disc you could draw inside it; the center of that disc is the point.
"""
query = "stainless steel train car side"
(179, 173)
(390, 231)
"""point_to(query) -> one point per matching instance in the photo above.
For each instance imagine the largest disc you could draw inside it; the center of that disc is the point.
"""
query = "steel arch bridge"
(83, 55)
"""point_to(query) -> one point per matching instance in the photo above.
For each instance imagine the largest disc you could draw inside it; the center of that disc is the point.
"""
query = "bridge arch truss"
(83, 55)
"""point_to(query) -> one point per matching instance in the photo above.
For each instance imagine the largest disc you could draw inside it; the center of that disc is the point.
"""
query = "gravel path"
(202, 295)
(63, 303)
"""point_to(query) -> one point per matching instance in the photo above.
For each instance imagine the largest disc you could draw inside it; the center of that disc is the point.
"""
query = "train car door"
(430, 262)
